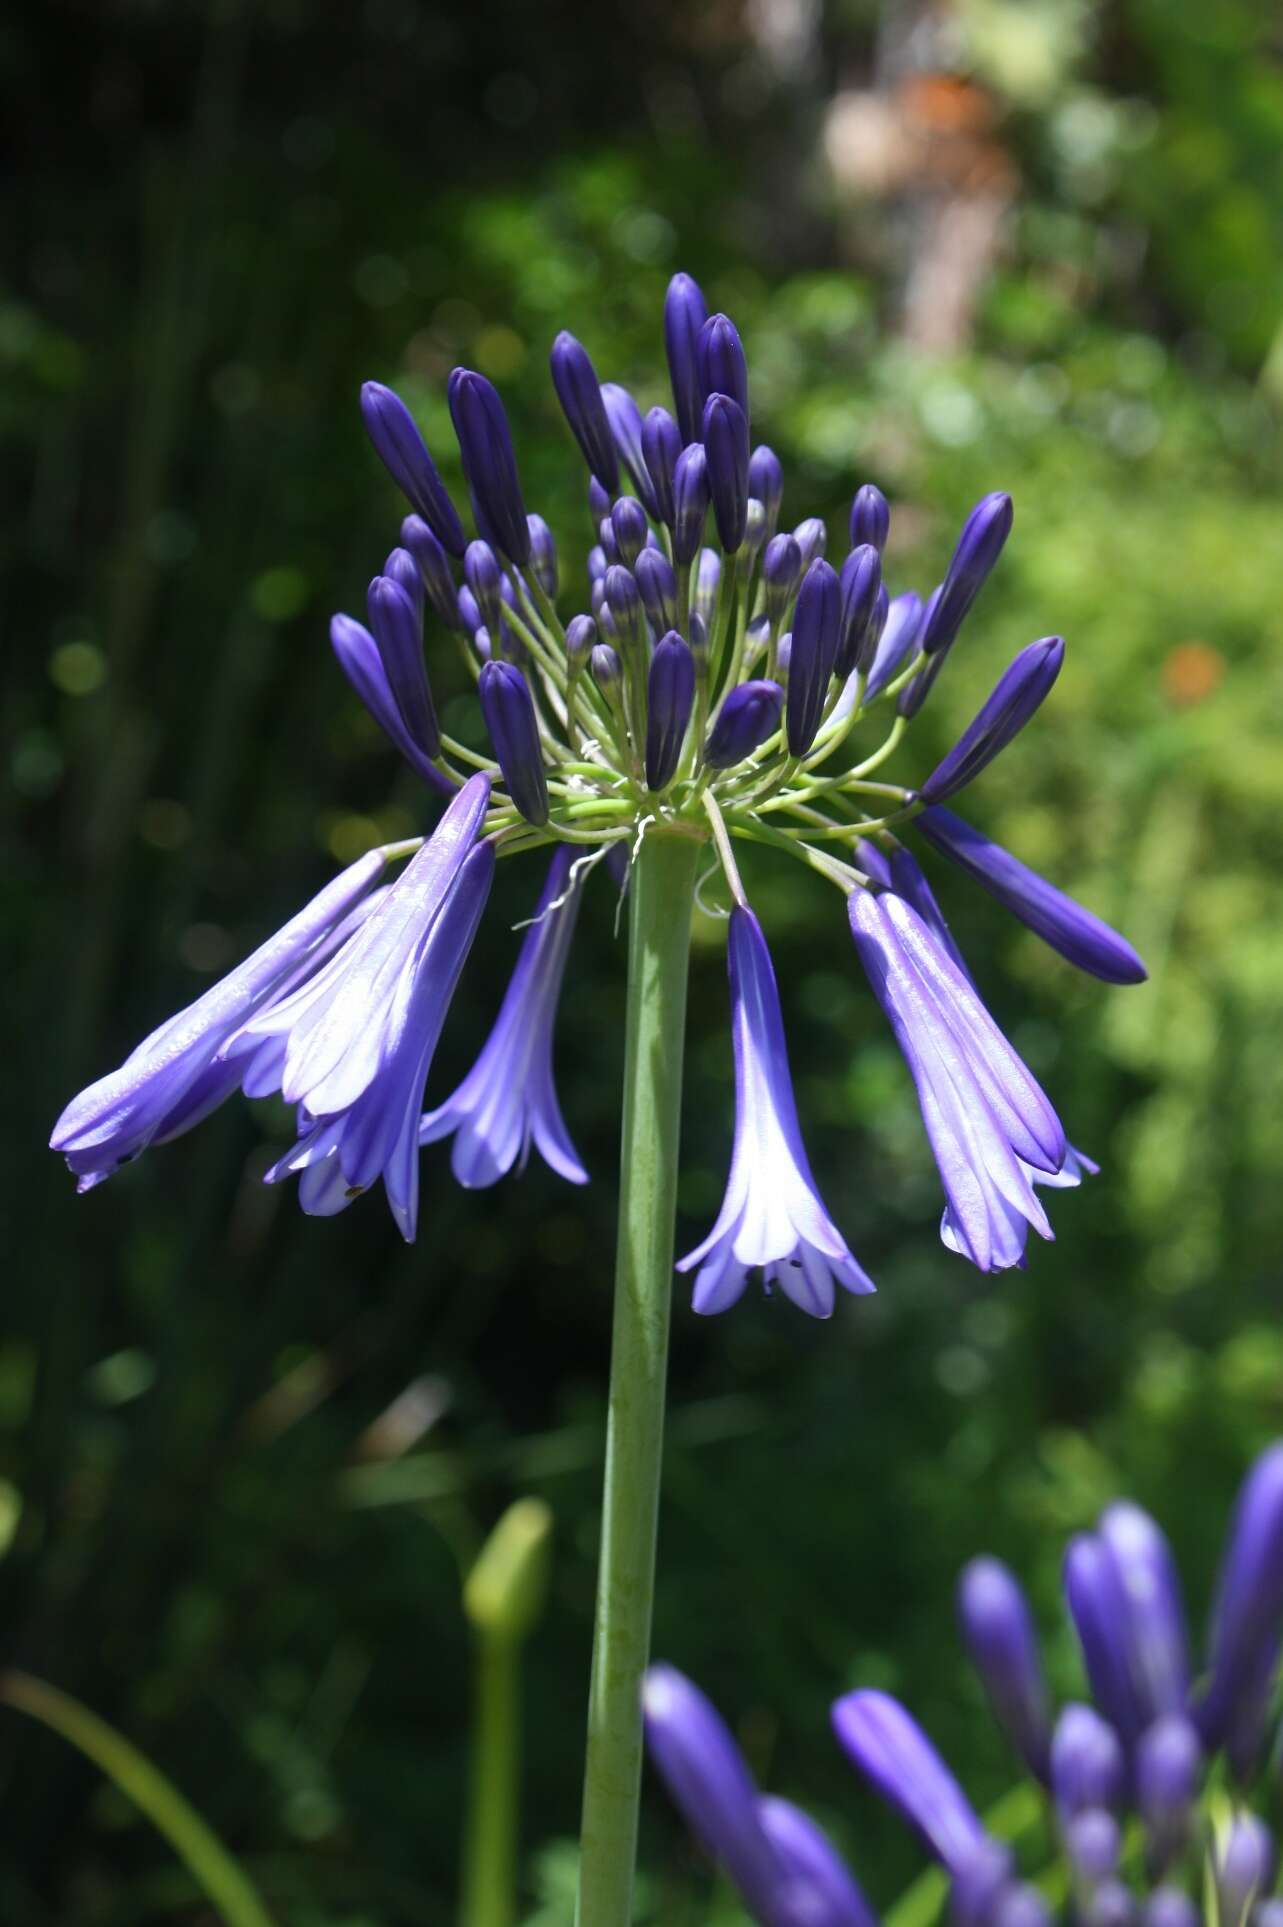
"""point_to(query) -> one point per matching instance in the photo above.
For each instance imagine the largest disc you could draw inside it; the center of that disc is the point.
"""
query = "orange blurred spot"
(1192, 672)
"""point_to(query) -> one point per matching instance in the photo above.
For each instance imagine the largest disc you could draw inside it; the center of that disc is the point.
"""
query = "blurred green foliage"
(247, 1458)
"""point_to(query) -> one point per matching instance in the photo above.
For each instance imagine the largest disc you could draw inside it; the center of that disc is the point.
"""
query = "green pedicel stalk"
(661, 898)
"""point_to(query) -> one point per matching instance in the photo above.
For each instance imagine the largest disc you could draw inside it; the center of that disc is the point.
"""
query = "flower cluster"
(713, 684)
(1148, 1789)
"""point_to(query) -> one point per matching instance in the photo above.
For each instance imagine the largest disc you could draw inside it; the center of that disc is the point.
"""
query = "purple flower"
(980, 544)
(722, 367)
(1154, 1616)
(819, 1889)
(1246, 1870)
(766, 483)
(543, 555)
(1087, 1768)
(861, 580)
(725, 437)
(670, 697)
(630, 528)
(397, 622)
(1098, 1606)
(813, 655)
(812, 538)
(403, 452)
(361, 661)
(579, 392)
(870, 518)
(1080, 937)
(1248, 1616)
(894, 1754)
(749, 714)
(657, 585)
(625, 420)
(434, 568)
(172, 1079)
(999, 1635)
(1015, 698)
(509, 710)
(991, 1127)
(508, 1100)
(781, 573)
(352, 1046)
(485, 443)
(772, 1216)
(1169, 1765)
(690, 502)
(661, 446)
(898, 640)
(685, 312)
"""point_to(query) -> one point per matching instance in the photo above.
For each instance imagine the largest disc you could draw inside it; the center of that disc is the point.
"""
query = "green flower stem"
(490, 1849)
(661, 898)
(206, 1859)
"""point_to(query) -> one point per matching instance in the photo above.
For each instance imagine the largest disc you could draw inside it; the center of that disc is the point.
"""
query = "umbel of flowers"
(702, 672)
(1153, 1790)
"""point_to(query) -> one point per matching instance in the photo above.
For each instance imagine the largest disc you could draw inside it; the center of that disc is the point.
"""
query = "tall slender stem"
(490, 1854)
(662, 893)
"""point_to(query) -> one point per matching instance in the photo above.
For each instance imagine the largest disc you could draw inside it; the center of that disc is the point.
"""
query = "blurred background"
(245, 1457)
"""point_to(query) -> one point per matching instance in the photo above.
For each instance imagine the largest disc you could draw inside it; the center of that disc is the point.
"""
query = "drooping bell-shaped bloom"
(685, 313)
(772, 1217)
(892, 1752)
(988, 1120)
(725, 437)
(579, 392)
(1248, 1617)
(1081, 937)
(749, 714)
(998, 1629)
(509, 710)
(361, 661)
(490, 463)
(870, 518)
(172, 1079)
(1016, 696)
(984, 533)
(508, 1100)
(352, 1046)
(404, 453)
(813, 655)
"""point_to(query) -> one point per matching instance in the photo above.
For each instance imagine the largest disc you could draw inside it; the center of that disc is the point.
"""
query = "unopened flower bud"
(504, 1592)
(749, 714)
(579, 392)
(998, 1631)
(813, 656)
(690, 502)
(606, 666)
(1016, 696)
(403, 452)
(983, 534)
(489, 462)
(725, 436)
(661, 446)
(860, 580)
(684, 315)
(670, 697)
(481, 572)
(628, 521)
(509, 711)
(870, 518)
(626, 426)
(812, 538)
(543, 555)
(781, 573)
(599, 501)
(766, 483)
(657, 582)
(754, 526)
(434, 569)
(581, 634)
(708, 576)
(722, 367)
(624, 603)
(397, 626)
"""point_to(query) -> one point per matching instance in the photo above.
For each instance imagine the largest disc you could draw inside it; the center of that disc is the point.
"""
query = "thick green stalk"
(490, 1852)
(661, 895)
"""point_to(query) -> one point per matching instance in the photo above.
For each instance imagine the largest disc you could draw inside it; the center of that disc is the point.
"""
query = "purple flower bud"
(690, 502)
(670, 696)
(398, 631)
(403, 452)
(469, 613)
(1158, 1655)
(980, 1881)
(1087, 1766)
(781, 573)
(434, 568)
(979, 546)
(599, 501)
(482, 574)
(1268, 1913)
(684, 315)
(698, 637)
(609, 546)
(606, 666)
(489, 463)
(509, 710)
(766, 483)
(1168, 1907)
(722, 367)
(657, 581)
(626, 426)
(1248, 1615)
(860, 580)
(754, 527)
(661, 446)
(598, 562)
(726, 449)
(628, 521)
(784, 654)
(1169, 1762)
(708, 576)
(581, 634)
(579, 392)
(890, 1749)
(748, 715)
(401, 568)
(870, 518)
(819, 1890)
(362, 663)
(1017, 694)
(1112, 1905)
(999, 1635)
(1246, 1869)
(896, 643)
(597, 595)
(1098, 1607)
(625, 606)
(813, 655)
(1093, 1840)
(812, 538)
(1021, 1906)
(543, 555)
(1078, 935)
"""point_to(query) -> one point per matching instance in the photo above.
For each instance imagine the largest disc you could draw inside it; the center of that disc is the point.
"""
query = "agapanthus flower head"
(714, 680)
